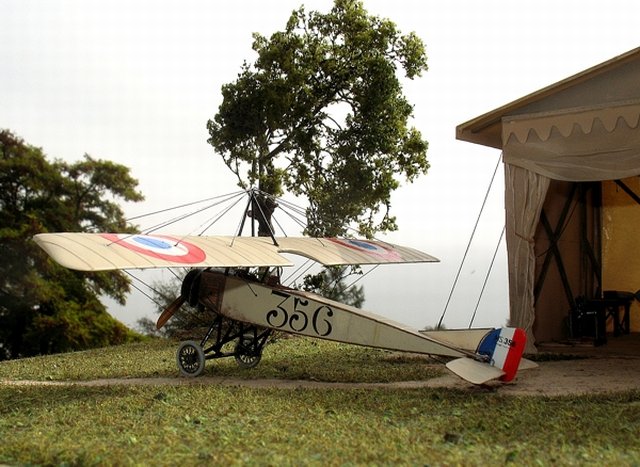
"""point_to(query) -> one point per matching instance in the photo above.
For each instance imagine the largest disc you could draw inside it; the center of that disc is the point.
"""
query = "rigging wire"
(187, 215)
(151, 288)
(293, 211)
(295, 219)
(140, 216)
(486, 277)
(312, 264)
(279, 226)
(285, 207)
(288, 280)
(263, 215)
(334, 283)
(142, 291)
(175, 274)
(220, 215)
(464, 257)
(288, 208)
(192, 203)
(293, 207)
(362, 276)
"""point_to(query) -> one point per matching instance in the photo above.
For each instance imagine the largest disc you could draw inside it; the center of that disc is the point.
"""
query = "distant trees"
(45, 308)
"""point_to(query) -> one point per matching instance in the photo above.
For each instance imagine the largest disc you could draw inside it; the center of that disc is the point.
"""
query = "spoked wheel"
(190, 359)
(245, 353)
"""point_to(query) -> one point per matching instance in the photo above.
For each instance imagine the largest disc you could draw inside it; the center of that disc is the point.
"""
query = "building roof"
(615, 80)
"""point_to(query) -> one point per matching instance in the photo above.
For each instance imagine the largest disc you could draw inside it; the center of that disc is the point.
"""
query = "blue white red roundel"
(160, 247)
(364, 246)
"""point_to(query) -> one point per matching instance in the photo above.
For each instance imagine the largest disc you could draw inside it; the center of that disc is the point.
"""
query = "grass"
(210, 424)
(286, 358)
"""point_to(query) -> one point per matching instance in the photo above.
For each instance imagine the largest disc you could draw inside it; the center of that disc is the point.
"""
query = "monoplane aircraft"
(238, 278)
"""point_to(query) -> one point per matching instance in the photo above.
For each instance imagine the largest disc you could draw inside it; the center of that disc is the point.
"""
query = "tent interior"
(571, 153)
(584, 257)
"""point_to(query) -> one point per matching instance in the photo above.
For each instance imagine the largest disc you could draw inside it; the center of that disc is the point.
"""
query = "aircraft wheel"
(244, 354)
(190, 359)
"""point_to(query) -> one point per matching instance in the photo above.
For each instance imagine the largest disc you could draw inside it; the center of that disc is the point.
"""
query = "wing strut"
(256, 210)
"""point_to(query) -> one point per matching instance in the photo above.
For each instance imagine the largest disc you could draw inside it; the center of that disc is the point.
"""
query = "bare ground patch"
(551, 378)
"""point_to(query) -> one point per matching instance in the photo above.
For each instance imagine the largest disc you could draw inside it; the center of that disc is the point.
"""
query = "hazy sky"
(136, 81)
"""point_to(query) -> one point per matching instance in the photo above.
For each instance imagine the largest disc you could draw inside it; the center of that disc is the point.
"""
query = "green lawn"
(210, 424)
(286, 358)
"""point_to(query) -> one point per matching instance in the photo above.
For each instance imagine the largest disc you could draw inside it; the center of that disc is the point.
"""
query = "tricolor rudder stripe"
(504, 348)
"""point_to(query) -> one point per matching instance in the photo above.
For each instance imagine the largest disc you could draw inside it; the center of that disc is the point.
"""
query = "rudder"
(504, 348)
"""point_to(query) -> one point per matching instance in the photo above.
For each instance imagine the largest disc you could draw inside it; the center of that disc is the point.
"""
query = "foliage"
(187, 320)
(330, 283)
(321, 113)
(45, 308)
(195, 424)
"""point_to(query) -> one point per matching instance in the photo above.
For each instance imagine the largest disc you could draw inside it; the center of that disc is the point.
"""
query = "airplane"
(238, 278)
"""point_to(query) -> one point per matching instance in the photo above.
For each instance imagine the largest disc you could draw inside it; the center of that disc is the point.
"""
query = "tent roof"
(613, 81)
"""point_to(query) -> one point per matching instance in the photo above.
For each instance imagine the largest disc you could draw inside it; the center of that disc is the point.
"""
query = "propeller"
(188, 291)
(170, 311)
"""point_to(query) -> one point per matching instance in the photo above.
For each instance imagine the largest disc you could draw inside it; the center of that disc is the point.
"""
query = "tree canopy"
(321, 113)
(45, 308)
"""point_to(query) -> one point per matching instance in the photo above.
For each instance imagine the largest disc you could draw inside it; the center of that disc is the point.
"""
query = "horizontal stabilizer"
(526, 364)
(465, 339)
(474, 371)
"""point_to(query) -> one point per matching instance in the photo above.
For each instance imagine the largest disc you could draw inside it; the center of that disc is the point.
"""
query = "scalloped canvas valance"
(582, 144)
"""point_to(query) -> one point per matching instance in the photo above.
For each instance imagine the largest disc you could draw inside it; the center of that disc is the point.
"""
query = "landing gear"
(190, 359)
(246, 353)
(250, 340)
(205, 290)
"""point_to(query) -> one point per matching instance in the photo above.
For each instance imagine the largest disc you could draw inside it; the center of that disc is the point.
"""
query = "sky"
(135, 81)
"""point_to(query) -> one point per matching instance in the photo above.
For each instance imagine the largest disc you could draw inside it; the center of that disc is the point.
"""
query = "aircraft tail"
(498, 357)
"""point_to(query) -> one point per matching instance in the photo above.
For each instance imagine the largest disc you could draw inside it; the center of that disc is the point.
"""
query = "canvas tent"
(563, 147)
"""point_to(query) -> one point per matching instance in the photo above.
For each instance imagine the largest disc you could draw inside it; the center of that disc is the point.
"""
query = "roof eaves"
(486, 129)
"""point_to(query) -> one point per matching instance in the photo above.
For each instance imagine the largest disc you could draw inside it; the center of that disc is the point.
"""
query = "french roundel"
(160, 247)
(374, 249)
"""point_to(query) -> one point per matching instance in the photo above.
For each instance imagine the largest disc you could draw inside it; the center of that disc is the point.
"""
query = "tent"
(571, 155)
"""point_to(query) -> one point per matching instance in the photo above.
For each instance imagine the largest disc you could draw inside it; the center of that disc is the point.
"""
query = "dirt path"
(588, 376)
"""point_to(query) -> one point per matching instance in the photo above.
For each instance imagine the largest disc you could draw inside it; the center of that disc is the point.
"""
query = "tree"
(45, 308)
(190, 320)
(330, 283)
(321, 113)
